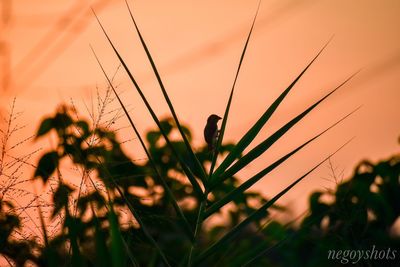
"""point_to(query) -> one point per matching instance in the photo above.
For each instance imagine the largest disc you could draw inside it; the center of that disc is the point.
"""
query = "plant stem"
(199, 222)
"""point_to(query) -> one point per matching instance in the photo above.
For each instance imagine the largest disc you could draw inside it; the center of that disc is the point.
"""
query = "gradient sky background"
(46, 59)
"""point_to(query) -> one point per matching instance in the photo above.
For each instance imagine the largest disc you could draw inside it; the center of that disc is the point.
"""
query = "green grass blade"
(102, 255)
(228, 106)
(117, 246)
(185, 223)
(70, 223)
(267, 143)
(199, 222)
(259, 213)
(256, 128)
(250, 182)
(186, 169)
(194, 158)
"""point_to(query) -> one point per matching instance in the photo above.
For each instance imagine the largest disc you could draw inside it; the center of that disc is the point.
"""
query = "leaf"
(74, 226)
(117, 247)
(237, 192)
(188, 172)
(84, 128)
(258, 213)
(102, 254)
(186, 226)
(152, 137)
(144, 228)
(60, 198)
(45, 127)
(228, 105)
(85, 202)
(267, 143)
(166, 126)
(196, 163)
(47, 165)
(62, 121)
(255, 129)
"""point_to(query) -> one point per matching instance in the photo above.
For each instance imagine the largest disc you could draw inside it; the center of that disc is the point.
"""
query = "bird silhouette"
(211, 131)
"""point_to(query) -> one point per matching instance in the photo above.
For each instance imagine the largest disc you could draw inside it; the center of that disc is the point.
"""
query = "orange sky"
(197, 46)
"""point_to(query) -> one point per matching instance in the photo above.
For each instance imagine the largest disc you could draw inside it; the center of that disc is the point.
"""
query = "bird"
(211, 131)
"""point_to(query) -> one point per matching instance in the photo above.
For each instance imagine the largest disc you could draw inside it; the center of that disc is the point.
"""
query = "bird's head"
(213, 118)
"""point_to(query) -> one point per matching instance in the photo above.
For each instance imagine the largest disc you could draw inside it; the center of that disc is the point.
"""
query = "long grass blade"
(103, 257)
(133, 210)
(117, 245)
(259, 212)
(250, 182)
(267, 143)
(186, 169)
(186, 225)
(256, 128)
(71, 224)
(228, 106)
(195, 160)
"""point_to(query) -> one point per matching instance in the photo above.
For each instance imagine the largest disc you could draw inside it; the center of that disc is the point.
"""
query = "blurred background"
(45, 60)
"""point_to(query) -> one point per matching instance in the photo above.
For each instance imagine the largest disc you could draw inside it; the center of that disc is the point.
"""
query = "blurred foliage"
(98, 230)
(87, 236)
(361, 214)
(364, 214)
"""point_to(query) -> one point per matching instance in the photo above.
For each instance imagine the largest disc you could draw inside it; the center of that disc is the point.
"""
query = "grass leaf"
(228, 106)
(246, 185)
(73, 233)
(259, 213)
(255, 129)
(185, 223)
(186, 169)
(117, 245)
(102, 255)
(267, 143)
(195, 160)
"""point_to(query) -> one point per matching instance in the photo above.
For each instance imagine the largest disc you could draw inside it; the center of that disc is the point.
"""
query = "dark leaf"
(62, 121)
(83, 128)
(45, 127)
(47, 165)
(60, 198)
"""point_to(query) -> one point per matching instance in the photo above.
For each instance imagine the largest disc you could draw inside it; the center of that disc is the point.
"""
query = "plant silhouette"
(97, 230)
(159, 213)
(127, 186)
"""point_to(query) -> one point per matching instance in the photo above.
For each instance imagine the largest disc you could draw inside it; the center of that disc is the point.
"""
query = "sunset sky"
(45, 59)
